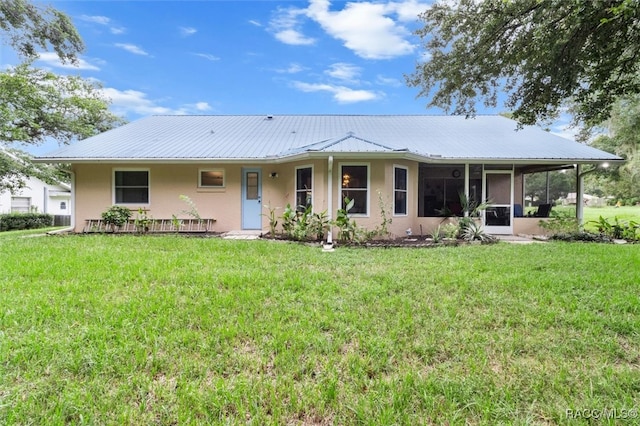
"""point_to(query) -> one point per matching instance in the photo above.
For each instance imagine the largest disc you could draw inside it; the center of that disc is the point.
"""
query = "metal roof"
(261, 137)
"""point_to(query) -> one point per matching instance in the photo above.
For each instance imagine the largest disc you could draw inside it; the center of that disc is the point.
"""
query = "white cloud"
(52, 59)
(341, 94)
(291, 36)
(202, 106)
(408, 11)
(125, 102)
(103, 20)
(293, 68)
(286, 27)
(343, 71)
(254, 22)
(132, 48)
(388, 81)
(366, 28)
(372, 30)
(187, 31)
(208, 56)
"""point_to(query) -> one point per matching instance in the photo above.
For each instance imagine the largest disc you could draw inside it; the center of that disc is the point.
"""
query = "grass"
(173, 330)
(592, 214)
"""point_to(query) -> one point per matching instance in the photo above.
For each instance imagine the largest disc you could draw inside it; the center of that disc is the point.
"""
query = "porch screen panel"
(499, 188)
(439, 190)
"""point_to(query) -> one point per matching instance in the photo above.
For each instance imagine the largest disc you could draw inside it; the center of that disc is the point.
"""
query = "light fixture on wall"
(273, 175)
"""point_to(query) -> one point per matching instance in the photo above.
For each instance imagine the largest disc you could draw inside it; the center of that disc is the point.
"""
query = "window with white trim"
(400, 180)
(304, 187)
(355, 186)
(131, 186)
(211, 178)
(20, 204)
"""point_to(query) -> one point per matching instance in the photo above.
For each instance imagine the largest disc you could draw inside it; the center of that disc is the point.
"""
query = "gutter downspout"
(328, 246)
(72, 227)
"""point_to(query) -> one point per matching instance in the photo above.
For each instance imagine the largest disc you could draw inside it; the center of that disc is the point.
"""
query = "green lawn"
(610, 212)
(623, 213)
(172, 330)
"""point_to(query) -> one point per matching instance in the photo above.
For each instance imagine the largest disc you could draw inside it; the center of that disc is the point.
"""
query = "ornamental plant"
(116, 216)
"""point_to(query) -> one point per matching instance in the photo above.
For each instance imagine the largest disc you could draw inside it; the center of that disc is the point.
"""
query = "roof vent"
(269, 117)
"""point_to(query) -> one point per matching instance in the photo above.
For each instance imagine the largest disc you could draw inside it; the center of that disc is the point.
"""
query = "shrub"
(116, 216)
(560, 222)
(581, 236)
(618, 229)
(17, 221)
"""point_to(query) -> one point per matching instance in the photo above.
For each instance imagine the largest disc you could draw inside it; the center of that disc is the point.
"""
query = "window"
(20, 204)
(63, 205)
(304, 187)
(355, 186)
(400, 190)
(131, 186)
(211, 178)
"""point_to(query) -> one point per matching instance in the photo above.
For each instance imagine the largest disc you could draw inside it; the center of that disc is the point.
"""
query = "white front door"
(498, 191)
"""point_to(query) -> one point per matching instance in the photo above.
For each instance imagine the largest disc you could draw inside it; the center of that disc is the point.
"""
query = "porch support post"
(580, 196)
(466, 186)
(329, 245)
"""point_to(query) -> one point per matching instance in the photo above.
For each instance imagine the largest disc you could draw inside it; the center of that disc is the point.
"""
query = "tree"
(29, 27)
(35, 104)
(541, 54)
(623, 180)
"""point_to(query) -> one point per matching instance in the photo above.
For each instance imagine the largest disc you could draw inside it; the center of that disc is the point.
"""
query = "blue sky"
(248, 57)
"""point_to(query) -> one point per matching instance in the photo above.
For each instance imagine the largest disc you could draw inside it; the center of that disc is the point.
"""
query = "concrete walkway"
(242, 235)
(519, 239)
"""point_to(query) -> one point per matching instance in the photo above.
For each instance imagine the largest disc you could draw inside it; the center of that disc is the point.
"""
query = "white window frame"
(406, 191)
(295, 183)
(126, 169)
(224, 178)
(16, 209)
(368, 190)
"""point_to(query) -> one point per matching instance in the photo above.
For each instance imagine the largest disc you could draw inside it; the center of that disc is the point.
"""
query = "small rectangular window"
(400, 191)
(304, 187)
(131, 186)
(211, 179)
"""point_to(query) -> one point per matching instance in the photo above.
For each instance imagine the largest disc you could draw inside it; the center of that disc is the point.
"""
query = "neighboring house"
(38, 196)
(233, 167)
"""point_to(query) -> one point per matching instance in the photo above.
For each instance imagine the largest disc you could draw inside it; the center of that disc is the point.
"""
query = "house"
(38, 196)
(233, 167)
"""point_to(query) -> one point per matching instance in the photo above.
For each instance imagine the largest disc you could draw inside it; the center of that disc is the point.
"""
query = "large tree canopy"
(36, 105)
(28, 27)
(541, 54)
